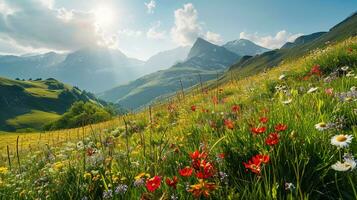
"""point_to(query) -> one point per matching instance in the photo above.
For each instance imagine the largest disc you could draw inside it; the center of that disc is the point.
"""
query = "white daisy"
(282, 77)
(311, 90)
(341, 140)
(344, 68)
(348, 164)
(287, 101)
(321, 126)
(80, 145)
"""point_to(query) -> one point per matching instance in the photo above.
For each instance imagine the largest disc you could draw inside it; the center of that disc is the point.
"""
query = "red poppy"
(153, 184)
(229, 124)
(263, 120)
(280, 127)
(172, 182)
(254, 164)
(316, 70)
(186, 172)
(193, 108)
(221, 155)
(198, 155)
(235, 108)
(272, 139)
(258, 130)
(206, 170)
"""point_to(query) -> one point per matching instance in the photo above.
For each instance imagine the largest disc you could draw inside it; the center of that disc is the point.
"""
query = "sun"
(104, 16)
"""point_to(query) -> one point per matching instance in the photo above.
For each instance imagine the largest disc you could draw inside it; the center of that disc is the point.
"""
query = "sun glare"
(104, 16)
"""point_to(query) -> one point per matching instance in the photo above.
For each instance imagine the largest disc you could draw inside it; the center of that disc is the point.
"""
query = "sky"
(142, 28)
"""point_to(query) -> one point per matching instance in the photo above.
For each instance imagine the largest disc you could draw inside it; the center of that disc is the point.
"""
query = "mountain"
(244, 47)
(301, 46)
(204, 61)
(30, 104)
(29, 66)
(302, 40)
(166, 59)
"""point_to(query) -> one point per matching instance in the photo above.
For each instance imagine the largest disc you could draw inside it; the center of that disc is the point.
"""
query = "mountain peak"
(244, 47)
(199, 47)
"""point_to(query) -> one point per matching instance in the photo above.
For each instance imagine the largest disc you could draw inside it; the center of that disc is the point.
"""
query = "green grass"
(33, 120)
(158, 142)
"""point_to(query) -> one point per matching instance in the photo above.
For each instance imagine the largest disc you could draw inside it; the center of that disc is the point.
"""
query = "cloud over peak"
(271, 41)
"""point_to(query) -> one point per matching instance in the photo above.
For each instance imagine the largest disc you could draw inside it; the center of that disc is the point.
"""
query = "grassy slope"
(303, 156)
(345, 29)
(31, 104)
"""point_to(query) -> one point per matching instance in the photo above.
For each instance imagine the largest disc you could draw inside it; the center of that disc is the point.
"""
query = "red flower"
(280, 127)
(153, 184)
(263, 120)
(259, 130)
(186, 172)
(235, 108)
(202, 188)
(221, 155)
(350, 50)
(197, 155)
(316, 70)
(206, 170)
(193, 108)
(172, 182)
(272, 139)
(215, 100)
(254, 164)
(329, 91)
(229, 124)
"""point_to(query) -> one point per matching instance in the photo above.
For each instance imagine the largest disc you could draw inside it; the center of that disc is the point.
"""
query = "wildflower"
(348, 164)
(235, 108)
(272, 139)
(341, 140)
(193, 108)
(282, 77)
(287, 101)
(321, 126)
(80, 145)
(353, 89)
(229, 124)
(202, 188)
(289, 186)
(280, 127)
(258, 130)
(206, 170)
(186, 172)
(313, 89)
(329, 91)
(223, 177)
(172, 182)
(153, 184)
(316, 70)
(197, 155)
(87, 176)
(344, 68)
(215, 100)
(263, 120)
(139, 182)
(3, 170)
(108, 194)
(122, 188)
(254, 164)
(58, 166)
(174, 197)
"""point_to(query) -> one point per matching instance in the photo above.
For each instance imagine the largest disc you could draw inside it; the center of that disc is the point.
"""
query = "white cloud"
(129, 33)
(36, 24)
(150, 6)
(271, 42)
(213, 37)
(187, 27)
(155, 33)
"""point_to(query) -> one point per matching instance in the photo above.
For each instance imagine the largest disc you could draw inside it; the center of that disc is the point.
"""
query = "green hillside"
(253, 65)
(28, 105)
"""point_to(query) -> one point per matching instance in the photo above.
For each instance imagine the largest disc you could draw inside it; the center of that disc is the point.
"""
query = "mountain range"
(205, 61)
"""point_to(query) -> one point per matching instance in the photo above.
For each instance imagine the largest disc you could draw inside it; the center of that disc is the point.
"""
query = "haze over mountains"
(205, 61)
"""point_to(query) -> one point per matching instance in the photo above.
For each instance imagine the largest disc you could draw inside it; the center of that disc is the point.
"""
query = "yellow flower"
(3, 170)
(58, 166)
(141, 175)
(87, 175)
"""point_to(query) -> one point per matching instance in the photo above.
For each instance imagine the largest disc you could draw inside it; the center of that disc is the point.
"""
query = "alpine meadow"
(172, 100)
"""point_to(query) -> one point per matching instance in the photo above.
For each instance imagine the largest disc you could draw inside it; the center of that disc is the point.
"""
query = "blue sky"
(141, 28)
